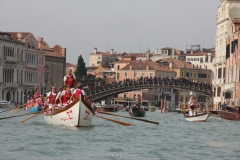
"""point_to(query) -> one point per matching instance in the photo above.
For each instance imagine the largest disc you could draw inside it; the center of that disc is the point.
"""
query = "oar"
(15, 110)
(30, 117)
(7, 110)
(115, 121)
(12, 109)
(121, 110)
(140, 119)
(171, 115)
(19, 115)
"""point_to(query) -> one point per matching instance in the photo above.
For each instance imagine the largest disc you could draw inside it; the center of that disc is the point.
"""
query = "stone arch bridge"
(98, 92)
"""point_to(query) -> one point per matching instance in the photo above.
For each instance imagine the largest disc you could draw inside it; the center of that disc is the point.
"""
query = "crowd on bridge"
(163, 81)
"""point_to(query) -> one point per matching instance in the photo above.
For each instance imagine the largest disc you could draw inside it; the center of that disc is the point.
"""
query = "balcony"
(10, 59)
(218, 82)
(11, 86)
(219, 60)
(229, 86)
(30, 65)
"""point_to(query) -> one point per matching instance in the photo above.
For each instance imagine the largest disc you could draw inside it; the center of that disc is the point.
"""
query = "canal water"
(173, 139)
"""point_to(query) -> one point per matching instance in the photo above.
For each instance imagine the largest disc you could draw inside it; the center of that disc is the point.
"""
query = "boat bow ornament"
(99, 92)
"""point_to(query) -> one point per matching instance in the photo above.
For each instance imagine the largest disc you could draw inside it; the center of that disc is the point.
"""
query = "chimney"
(184, 65)
(147, 67)
(95, 50)
(64, 52)
(19, 36)
(170, 65)
(40, 41)
(192, 65)
(173, 51)
(130, 67)
(156, 51)
(112, 51)
(209, 57)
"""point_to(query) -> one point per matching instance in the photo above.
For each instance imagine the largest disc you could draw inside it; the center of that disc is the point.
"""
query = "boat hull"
(7, 106)
(214, 113)
(197, 118)
(76, 114)
(138, 113)
(229, 115)
(152, 109)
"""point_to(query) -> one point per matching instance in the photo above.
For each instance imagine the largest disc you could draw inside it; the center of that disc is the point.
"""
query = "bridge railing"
(144, 83)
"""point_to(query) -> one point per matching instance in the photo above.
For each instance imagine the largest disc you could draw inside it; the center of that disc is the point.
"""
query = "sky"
(123, 25)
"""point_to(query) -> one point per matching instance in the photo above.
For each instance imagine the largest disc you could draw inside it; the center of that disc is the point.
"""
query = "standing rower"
(69, 79)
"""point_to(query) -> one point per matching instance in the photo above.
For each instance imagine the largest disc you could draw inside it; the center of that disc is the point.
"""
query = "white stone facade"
(227, 10)
(12, 69)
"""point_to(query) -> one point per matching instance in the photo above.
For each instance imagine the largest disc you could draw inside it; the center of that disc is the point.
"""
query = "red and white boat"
(78, 114)
(197, 118)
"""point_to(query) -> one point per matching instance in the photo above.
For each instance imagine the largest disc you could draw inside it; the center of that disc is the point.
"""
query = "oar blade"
(116, 121)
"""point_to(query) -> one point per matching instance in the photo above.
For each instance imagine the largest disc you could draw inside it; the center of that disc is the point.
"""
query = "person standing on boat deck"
(192, 107)
(138, 100)
(78, 91)
(65, 97)
(51, 98)
(69, 79)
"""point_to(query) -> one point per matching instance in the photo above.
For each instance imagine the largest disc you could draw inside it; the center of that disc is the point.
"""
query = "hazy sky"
(122, 25)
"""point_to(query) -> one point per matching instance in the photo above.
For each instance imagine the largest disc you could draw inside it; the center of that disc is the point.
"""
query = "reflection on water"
(173, 138)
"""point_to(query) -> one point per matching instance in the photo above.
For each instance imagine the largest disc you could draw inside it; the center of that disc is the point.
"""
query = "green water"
(173, 139)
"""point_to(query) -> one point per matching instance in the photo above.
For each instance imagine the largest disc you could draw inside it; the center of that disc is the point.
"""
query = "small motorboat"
(230, 113)
(6, 104)
(214, 113)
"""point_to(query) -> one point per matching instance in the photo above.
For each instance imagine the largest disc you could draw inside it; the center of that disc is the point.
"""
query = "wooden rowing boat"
(78, 114)
(197, 118)
(138, 113)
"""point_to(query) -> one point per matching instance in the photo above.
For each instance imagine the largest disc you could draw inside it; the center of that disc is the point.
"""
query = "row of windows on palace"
(8, 76)
(29, 57)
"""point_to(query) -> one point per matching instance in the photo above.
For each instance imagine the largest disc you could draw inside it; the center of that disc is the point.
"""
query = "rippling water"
(173, 139)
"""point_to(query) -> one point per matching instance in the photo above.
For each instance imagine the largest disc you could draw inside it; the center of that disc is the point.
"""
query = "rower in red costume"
(69, 79)
(51, 98)
(79, 91)
(65, 97)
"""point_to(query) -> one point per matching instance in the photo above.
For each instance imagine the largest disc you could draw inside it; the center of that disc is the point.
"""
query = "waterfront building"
(201, 60)
(228, 10)
(12, 69)
(34, 64)
(104, 58)
(232, 80)
(44, 66)
(55, 64)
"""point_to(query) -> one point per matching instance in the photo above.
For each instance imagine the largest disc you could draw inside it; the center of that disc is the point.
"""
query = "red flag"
(235, 53)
